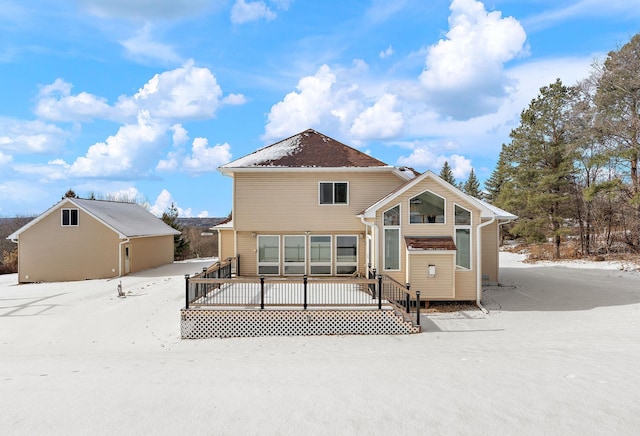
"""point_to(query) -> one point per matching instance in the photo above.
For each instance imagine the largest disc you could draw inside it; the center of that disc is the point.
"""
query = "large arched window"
(426, 208)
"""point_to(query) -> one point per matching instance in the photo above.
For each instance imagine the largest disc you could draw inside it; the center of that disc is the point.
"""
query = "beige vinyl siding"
(288, 202)
(51, 252)
(150, 252)
(226, 244)
(248, 251)
(490, 253)
(440, 287)
(466, 285)
(465, 280)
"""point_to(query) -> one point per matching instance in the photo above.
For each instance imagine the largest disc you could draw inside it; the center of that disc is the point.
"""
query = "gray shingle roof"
(128, 219)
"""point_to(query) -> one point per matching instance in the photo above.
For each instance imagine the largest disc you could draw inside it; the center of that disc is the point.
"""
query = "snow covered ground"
(557, 354)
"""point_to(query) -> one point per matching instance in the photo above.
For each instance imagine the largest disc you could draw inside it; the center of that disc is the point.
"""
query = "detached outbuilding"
(80, 239)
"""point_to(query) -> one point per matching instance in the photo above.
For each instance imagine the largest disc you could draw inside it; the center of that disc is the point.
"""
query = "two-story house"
(310, 205)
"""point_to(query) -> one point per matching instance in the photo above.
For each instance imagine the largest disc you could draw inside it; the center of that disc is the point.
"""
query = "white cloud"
(164, 201)
(180, 135)
(146, 9)
(234, 99)
(129, 193)
(123, 152)
(244, 12)
(142, 46)
(386, 53)
(303, 109)
(148, 118)
(5, 158)
(379, 121)
(24, 137)
(582, 8)
(423, 156)
(187, 92)
(203, 159)
(206, 159)
(56, 103)
(321, 101)
(468, 65)
(21, 192)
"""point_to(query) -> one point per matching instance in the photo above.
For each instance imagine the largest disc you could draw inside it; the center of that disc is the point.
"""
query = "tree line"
(571, 167)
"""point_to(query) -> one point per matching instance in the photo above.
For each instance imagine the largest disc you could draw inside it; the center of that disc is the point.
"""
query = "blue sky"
(146, 98)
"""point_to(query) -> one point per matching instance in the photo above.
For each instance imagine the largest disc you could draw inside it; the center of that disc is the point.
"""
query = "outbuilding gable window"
(70, 217)
(334, 193)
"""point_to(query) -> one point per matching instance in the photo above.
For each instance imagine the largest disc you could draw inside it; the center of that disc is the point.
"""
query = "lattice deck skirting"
(206, 323)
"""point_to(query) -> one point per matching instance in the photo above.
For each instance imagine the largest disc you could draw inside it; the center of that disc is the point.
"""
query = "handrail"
(304, 292)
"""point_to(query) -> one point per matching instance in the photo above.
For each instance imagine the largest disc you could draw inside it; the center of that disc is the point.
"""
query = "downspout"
(125, 241)
(479, 267)
(375, 231)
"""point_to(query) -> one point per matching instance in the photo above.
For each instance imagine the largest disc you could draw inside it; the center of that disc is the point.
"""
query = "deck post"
(304, 282)
(372, 275)
(380, 291)
(408, 299)
(186, 291)
(261, 292)
(418, 307)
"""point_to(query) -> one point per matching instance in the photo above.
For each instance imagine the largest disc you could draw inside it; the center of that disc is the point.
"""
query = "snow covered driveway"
(558, 354)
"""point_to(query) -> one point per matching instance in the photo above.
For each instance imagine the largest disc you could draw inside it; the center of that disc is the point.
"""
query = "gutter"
(375, 231)
(479, 265)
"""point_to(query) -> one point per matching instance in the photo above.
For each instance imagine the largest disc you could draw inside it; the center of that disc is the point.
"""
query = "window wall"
(320, 255)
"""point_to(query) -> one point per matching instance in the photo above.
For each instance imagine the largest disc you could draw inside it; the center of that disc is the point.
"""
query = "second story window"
(69, 217)
(334, 193)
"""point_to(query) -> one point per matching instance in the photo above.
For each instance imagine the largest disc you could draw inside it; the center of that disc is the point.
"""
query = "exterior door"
(127, 259)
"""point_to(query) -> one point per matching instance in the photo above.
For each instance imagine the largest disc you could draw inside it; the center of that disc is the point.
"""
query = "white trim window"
(427, 208)
(391, 224)
(70, 217)
(268, 255)
(320, 254)
(462, 220)
(346, 254)
(295, 249)
(333, 192)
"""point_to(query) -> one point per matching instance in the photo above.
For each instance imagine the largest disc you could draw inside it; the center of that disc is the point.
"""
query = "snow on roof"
(308, 149)
(269, 153)
(499, 213)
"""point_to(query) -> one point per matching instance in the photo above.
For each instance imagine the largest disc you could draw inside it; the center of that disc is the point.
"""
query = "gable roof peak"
(307, 149)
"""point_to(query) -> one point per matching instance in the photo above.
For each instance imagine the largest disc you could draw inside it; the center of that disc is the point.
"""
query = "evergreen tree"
(493, 185)
(446, 174)
(180, 243)
(472, 186)
(618, 103)
(70, 194)
(541, 166)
